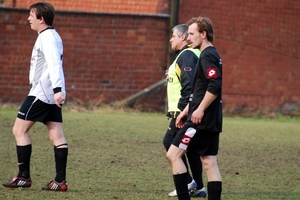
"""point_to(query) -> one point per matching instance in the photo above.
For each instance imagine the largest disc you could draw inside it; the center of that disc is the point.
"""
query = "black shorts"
(34, 109)
(170, 134)
(202, 142)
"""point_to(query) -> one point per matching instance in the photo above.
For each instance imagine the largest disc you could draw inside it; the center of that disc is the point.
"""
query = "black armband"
(56, 90)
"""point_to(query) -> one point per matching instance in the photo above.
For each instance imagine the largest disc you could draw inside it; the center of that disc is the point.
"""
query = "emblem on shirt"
(211, 72)
(187, 69)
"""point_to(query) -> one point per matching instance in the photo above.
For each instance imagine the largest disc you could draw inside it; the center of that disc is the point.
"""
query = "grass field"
(119, 155)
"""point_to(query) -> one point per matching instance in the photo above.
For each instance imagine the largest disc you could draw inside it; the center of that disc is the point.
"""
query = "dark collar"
(49, 27)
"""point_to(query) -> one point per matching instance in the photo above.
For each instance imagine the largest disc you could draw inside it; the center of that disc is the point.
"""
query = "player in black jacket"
(180, 78)
(201, 120)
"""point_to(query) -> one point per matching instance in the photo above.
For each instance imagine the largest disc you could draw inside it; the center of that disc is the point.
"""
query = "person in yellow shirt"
(201, 121)
(180, 76)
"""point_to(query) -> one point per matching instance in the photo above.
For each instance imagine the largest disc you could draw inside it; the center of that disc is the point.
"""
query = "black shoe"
(56, 186)
(17, 181)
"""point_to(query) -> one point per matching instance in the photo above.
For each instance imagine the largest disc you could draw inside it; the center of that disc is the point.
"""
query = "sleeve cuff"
(56, 90)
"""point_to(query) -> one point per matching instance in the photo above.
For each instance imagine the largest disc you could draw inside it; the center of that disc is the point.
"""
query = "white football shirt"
(46, 71)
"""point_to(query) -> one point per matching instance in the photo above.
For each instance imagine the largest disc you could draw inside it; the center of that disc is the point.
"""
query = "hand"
(197, 116)
(59, 99)
(167, 74)
(180, 120)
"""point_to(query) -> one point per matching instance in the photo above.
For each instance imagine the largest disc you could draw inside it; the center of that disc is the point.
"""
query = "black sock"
(214, 190)
(196, 168)
(24, 154)
(61, 155)
(189, 177)
(180, 181)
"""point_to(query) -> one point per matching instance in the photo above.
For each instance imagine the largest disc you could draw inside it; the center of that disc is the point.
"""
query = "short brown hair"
(204, 24)
(45, 10)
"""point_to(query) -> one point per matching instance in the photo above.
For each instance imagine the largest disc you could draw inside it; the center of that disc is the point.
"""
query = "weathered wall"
(259, 44)
(121, 54)
(106, 57)
(115, 6)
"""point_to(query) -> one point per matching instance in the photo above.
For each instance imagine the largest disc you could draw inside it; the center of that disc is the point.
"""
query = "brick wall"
(257, 41)
(106, 57)
(259, 44)
(115, 6)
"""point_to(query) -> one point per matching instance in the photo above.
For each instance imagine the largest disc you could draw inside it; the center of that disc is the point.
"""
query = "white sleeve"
(52, 49)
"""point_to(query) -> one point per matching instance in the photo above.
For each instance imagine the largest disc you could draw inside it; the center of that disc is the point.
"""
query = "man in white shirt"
(44, 101)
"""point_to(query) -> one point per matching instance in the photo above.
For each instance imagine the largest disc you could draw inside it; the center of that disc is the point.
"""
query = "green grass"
(119, 155)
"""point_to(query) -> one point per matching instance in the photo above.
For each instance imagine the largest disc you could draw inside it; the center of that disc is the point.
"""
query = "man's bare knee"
(21, 127)
(169, 157)
(208, 162)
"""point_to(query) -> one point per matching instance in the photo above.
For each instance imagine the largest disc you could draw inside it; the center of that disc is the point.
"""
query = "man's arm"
(214, 78)
(187, 65)
(199, 112)
(181, 118)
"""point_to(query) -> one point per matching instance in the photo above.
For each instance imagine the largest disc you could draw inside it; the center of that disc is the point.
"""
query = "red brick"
(259, 46)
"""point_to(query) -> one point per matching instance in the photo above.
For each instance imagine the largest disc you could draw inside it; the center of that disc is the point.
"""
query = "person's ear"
(203, 34)
(183, 38)
(41, 20)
